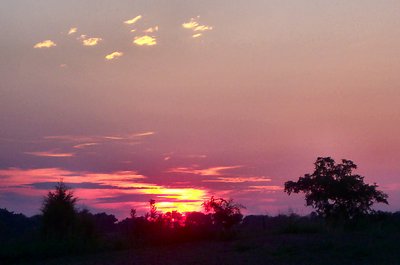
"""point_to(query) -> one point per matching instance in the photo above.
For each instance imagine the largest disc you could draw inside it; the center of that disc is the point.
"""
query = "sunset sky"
(128, 101)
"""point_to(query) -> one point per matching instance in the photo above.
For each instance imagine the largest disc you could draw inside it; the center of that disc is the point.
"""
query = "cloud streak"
(80, 141)
(50, 154)
(238, 179)
(133, 20)
(211, 171)
(45, 44)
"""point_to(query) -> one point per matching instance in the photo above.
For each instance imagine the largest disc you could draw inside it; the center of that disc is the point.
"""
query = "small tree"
(153, 214)
(225, 213)
(59, 213)
(334, 191)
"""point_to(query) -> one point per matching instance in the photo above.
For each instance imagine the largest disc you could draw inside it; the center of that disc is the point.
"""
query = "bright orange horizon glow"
(104, 187)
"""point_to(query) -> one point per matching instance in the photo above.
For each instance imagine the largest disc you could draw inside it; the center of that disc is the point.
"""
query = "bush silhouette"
(335, 192)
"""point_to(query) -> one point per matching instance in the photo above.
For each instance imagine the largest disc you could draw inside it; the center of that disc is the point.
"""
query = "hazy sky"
(180, 100)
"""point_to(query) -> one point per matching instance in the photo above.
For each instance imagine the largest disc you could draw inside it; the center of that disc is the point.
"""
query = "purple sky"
(180, 100)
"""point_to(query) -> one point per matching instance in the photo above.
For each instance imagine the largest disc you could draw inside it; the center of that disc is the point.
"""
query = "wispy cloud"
(113, 55)
(50, 154)
(196, 156)
(143, 134)
(84, 145)
(266, 188)
(202, 28)
(191, 24)
(45, 44)
(238, 179)
(133, 20)
(72, 30)
(151, 29)
(212, 171)
(145, 40)
(196, 27)
(69, 138)
(80, 141)
(98, 138)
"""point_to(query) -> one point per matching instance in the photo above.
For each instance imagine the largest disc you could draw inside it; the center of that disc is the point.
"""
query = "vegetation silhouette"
(335, 192)
(224, 214)
(332, 189)
(58, 212)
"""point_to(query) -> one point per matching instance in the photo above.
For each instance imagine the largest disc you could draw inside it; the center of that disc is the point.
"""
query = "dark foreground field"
(260, 248)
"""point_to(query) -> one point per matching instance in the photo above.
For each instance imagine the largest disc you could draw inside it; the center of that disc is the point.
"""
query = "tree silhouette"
(153, 214)
(225, 213)
(334, 191)
(59, 213)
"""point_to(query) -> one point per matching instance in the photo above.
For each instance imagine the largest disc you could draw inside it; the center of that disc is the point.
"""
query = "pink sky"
(180, 100)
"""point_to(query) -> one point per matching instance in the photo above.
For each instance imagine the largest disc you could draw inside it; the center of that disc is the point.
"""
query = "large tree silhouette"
(334, 191)
(59, 213)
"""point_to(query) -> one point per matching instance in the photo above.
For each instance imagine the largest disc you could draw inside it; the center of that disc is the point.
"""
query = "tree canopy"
(333, 190)
(225, 213)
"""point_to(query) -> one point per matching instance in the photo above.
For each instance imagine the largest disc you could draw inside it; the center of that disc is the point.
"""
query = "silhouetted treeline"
(23, 238)
(63, 230)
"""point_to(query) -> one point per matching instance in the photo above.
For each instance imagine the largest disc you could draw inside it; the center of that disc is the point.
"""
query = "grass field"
(259, 248)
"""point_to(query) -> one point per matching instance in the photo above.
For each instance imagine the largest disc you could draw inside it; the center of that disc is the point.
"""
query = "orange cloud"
(113, 55)
(133, 20)
(145, 40)
(50, 154)
(45, 44)
(197, 35)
